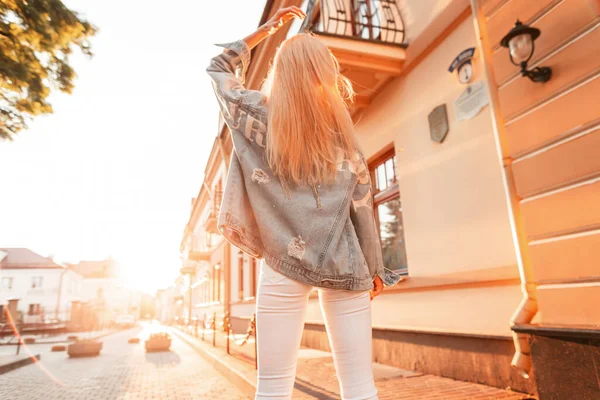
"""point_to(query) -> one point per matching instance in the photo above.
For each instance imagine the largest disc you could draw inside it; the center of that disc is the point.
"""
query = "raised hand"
(281, 17)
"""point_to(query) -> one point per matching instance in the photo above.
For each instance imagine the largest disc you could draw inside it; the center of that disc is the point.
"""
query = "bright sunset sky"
(113, 170)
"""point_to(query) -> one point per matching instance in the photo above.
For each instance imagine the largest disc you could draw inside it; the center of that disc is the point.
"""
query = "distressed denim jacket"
(324, 235)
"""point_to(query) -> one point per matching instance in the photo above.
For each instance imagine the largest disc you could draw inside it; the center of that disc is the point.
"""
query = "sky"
(113, 170)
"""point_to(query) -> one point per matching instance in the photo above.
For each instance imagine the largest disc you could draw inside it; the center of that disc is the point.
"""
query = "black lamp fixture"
(520, 43)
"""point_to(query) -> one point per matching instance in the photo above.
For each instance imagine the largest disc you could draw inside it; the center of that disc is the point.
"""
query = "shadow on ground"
(163, 358)
(315, 391)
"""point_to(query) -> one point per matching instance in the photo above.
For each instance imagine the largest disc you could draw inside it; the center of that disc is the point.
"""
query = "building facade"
(486, 187)
(104, 292)
(44, 288)
(219, 278)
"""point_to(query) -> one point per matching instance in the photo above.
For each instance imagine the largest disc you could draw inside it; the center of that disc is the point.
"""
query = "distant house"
(165, 304)
(44, 287)
(102, 289)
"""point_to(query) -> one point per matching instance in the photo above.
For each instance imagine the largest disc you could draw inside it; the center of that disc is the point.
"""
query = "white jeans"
(281, 307)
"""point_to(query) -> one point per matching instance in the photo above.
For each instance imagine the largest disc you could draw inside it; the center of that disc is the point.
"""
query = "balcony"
(188, 267)
(199, 255)
(199, 250)
(367, 38)
(210, 224)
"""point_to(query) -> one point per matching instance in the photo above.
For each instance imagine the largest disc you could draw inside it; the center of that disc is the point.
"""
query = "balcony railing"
(370, 20)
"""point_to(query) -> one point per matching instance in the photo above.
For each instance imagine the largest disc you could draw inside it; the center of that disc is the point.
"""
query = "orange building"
(487, 186)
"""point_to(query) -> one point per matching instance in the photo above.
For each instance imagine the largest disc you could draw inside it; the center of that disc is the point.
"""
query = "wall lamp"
(520, 43)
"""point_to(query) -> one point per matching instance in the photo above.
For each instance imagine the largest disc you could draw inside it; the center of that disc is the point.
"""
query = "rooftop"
(96, 269)
(22, 258)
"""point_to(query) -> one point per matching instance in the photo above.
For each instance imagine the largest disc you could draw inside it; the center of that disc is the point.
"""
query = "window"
(34, 309)
(206, 291)
(387, 206)
(7, 282)
(217, 283)
(36, 282)
(218, 194)
(240, 275)
(252, 277)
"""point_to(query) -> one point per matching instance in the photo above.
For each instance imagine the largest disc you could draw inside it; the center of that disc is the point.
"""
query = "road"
(122, 371)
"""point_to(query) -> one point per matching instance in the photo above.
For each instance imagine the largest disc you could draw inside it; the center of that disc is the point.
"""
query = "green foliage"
(36, 39)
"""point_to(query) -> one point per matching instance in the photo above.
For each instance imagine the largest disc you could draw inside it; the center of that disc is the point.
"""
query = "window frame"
(241, 275)
(34, 309)
(37, 278)
(391, 192)
(252, 278)
(10, 280)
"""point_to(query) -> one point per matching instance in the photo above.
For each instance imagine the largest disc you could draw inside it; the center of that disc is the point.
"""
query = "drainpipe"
(523, 315)
(528, 307)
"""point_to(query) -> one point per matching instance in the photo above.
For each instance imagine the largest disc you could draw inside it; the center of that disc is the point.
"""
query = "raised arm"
(363, 219)
(228, 70)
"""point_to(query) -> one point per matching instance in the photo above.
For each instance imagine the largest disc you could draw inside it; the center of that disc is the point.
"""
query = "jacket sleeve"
(363, 219)
(244, 110)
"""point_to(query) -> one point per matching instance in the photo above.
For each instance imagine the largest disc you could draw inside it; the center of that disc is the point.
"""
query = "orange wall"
(550, 136)
(455, 212)
(454, 207)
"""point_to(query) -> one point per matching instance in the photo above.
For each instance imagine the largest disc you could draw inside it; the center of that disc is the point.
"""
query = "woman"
(298, 195)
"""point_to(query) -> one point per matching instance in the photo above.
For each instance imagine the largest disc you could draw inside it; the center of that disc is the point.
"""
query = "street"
(122, 371)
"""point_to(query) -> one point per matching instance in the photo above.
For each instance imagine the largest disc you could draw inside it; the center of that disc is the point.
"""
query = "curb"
(48, 342)
(64, 341)
(18, 364)
(246, 386)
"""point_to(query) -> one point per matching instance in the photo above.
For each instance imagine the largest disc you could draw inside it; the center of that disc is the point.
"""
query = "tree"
(392, 236)
(36, 39)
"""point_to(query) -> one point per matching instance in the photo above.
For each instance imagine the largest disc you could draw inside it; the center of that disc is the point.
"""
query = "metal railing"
(226, 324)
(370, 20)
(209, 324)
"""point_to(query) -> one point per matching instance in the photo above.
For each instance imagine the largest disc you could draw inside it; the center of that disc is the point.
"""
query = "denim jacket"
(324, 235)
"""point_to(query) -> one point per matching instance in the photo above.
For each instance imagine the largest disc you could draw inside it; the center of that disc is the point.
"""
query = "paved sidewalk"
(316, 377)
(122, 371)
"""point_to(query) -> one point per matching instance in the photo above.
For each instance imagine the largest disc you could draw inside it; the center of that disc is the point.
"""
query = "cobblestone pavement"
(122, 371)
(316, 378)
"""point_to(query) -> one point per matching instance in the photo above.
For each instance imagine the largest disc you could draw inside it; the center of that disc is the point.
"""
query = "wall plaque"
(438, 123)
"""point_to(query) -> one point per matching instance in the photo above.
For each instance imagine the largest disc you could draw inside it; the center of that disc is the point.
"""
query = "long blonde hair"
(309, 126)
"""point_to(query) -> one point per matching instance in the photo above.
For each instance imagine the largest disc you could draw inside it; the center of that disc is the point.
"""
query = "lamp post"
(520, 42)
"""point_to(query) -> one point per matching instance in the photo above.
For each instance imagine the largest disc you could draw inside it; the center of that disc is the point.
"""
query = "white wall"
(118, 299)
(46, 295)
(165, 306)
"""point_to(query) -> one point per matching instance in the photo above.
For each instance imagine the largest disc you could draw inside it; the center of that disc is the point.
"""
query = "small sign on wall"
(463, 65)
(438, 123)
(471, 101)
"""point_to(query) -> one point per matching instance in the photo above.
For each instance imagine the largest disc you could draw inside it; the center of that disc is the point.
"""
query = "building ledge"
(498, 276)
(203, 255)
(428, 331)
(560, 331)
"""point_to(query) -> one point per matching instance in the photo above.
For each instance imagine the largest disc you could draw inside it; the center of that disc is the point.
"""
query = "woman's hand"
(281, 17)
(377, 287)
